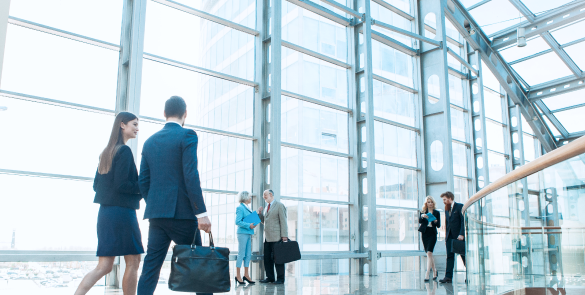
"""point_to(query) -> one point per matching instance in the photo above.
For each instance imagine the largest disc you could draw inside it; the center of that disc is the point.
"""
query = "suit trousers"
(269, 264)
(160, 234)
(451, 259)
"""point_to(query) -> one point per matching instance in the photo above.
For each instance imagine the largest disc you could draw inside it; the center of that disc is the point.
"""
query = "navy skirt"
(118, 232)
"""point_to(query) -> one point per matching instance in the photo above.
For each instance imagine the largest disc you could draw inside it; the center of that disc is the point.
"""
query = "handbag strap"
(211, 244)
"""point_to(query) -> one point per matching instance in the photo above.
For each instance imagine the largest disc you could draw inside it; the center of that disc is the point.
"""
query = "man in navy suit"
(455, 230)
(169, 183)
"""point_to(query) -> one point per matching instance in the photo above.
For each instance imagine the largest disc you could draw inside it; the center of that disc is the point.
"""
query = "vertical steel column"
(260, 142)
(129, 85)
(367, 153)
(130, 61)
(355, 237)
(437, 115)
(272, 111)
(4, 10)
(480, 154)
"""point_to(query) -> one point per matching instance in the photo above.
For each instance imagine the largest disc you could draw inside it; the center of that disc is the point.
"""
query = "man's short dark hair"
(448, 195)
(175, 107)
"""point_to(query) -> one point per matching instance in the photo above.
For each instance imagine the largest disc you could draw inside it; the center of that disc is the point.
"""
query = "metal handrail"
(556, 156)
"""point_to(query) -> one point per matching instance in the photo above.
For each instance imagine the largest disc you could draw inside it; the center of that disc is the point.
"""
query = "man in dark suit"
(455, 230)
(169, 183)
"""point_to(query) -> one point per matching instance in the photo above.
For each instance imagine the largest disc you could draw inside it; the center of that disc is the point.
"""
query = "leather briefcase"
(200, 269)
(458, 247)
(285, 252)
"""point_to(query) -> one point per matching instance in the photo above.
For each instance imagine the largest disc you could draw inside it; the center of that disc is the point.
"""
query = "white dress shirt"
(204, 214)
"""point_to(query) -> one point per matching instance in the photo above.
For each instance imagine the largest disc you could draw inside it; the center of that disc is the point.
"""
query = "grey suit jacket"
(275, 226)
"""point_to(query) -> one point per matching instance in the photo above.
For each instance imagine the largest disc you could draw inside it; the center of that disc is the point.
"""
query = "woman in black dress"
(116, 187)
(429, 235)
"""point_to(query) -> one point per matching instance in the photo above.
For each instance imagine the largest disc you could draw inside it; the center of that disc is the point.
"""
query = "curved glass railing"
(526, 230)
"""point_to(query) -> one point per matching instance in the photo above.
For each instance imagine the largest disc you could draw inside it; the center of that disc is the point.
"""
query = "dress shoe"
(238, 282)
(436, 275)
(445, 281)
(266, 281)
(249, 281)
(278, 282)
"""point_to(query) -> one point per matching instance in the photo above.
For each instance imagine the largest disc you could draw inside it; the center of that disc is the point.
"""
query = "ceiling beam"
(552, 118)
(461, 19)
(545, 22)
(558, 88)
(554, 45)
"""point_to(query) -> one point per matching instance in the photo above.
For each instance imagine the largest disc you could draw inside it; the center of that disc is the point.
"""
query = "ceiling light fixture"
(521, 32)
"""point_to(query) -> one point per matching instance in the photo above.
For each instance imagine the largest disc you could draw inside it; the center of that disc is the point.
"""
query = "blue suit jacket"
(455, 222)
(169, 180)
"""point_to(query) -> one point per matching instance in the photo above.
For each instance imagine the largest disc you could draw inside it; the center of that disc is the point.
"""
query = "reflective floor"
(408, 283)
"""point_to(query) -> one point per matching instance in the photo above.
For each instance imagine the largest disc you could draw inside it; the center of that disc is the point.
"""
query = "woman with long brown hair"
(117, 192)
(429, 232)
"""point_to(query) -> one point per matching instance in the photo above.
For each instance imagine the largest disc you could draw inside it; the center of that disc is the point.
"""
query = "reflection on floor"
(407, 283)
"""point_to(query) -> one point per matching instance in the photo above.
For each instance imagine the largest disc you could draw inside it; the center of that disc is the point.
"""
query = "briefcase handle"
(211, 244)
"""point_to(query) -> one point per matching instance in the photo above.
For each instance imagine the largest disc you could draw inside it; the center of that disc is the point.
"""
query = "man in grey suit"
(275, 229)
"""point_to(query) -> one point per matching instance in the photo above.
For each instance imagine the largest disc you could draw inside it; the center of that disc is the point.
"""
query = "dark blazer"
(118, 187)
(424, 222)
(455, 222)
(169, 180)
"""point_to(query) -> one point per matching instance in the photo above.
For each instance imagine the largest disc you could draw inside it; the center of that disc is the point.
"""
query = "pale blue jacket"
(243, 227)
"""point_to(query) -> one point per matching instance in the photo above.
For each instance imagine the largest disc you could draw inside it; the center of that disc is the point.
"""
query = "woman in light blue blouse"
(245, 232)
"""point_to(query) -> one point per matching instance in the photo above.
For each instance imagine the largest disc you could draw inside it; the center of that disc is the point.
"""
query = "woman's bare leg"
(103, 268)
(131, 274)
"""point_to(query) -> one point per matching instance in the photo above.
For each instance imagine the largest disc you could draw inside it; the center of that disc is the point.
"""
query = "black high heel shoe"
(238, 282)
(249, 282)
(426, 280)
(436, 275)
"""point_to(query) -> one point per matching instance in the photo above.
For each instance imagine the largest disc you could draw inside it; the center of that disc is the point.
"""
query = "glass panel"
(314, 32)
(497, 167)
(313, 175)
(100, 20)
(325, 227)
(395, 144)
(572, 119)
(211, 102)
(393, 103)
(459, 159)
(538, 6)
(52, 227)
(496, 15)
(542, 69)
(458, 124)
(392, 64)
(469, 3)
(552, 127)
(569, 33)
(533, 46)
(178, 35)
(493, 105)
(397, 229)
(313, 77)
(495, 137)
(529, 148)
(575, 52)
(565, 100)
(65, 141)
(312, 125)
(489, 80)
(242, 12)
(380, 13)
(461, 191)
(396, 186)
(456, 90)
(60, 69)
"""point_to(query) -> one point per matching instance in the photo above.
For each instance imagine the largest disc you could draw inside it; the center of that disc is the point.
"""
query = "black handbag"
(458, 246)
(285, 252)
(200, 269)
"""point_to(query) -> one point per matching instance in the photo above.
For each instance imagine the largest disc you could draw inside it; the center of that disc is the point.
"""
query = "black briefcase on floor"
(200, 269)
(285, 252)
